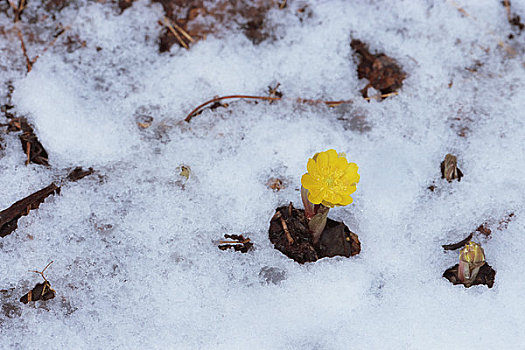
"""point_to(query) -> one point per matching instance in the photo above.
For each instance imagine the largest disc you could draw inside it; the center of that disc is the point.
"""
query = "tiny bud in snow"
(184, 171)
(449, 168)
(471, 258)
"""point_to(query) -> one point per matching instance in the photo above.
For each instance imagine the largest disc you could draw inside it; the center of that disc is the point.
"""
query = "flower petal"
(322, 162)
(312, 168)
(332, 156)
(328, 204)
(348, 180)
(348, 190)
(330, 179)
(333, 197)
(315, 196)
(340, 164)
(308, 182)
(351, 168)
(350, 174)
(345, 201)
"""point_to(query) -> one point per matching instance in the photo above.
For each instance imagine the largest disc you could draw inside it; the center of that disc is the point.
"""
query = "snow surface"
(136, 264)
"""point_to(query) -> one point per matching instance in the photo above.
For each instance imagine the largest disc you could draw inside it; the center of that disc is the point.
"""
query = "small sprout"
(41, 291)
(183, 175)
(471, 258)
(449, 168)
(184, 171)
(329, 182)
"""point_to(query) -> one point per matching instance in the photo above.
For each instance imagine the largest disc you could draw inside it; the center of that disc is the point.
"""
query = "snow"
(136, 263)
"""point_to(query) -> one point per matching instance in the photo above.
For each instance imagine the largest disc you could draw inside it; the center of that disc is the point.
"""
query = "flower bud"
(471, 258)
(472, 253)
(449, 168)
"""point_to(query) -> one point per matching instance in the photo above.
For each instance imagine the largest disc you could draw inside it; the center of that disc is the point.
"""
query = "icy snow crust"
(136, 264)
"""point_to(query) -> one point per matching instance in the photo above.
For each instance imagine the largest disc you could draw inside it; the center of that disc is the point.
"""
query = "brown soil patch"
(486, 275)
(382, 72)
(290, 235)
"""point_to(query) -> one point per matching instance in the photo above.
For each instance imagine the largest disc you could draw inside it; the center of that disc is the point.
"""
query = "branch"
(197, 109)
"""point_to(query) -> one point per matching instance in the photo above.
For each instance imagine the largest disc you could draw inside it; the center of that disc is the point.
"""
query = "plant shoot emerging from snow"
(329, 182)
(471, 258)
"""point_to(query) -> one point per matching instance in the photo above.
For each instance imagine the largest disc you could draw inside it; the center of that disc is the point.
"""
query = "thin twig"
(195, 111)
(12, 5)
(31, 62)
(247, 240)
(278, 215)
(42, 272)
(286, 232)
(216, 99)
(28, 146)
(45, 268)
(21, 7)
(65, 29)
(182, 31)
(378, 97)
(23, 45)
(17, 9)
(174, 32)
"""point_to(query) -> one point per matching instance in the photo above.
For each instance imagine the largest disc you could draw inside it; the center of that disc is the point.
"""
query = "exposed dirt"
(10, 309)
(290, 235)
(193, 20)
(31, 146)
(486, 275)
(382, 72)
(41, 291)
(236, 242)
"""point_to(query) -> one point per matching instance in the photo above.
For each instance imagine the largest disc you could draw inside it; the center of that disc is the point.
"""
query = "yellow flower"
(330, 179)
(472, 253)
